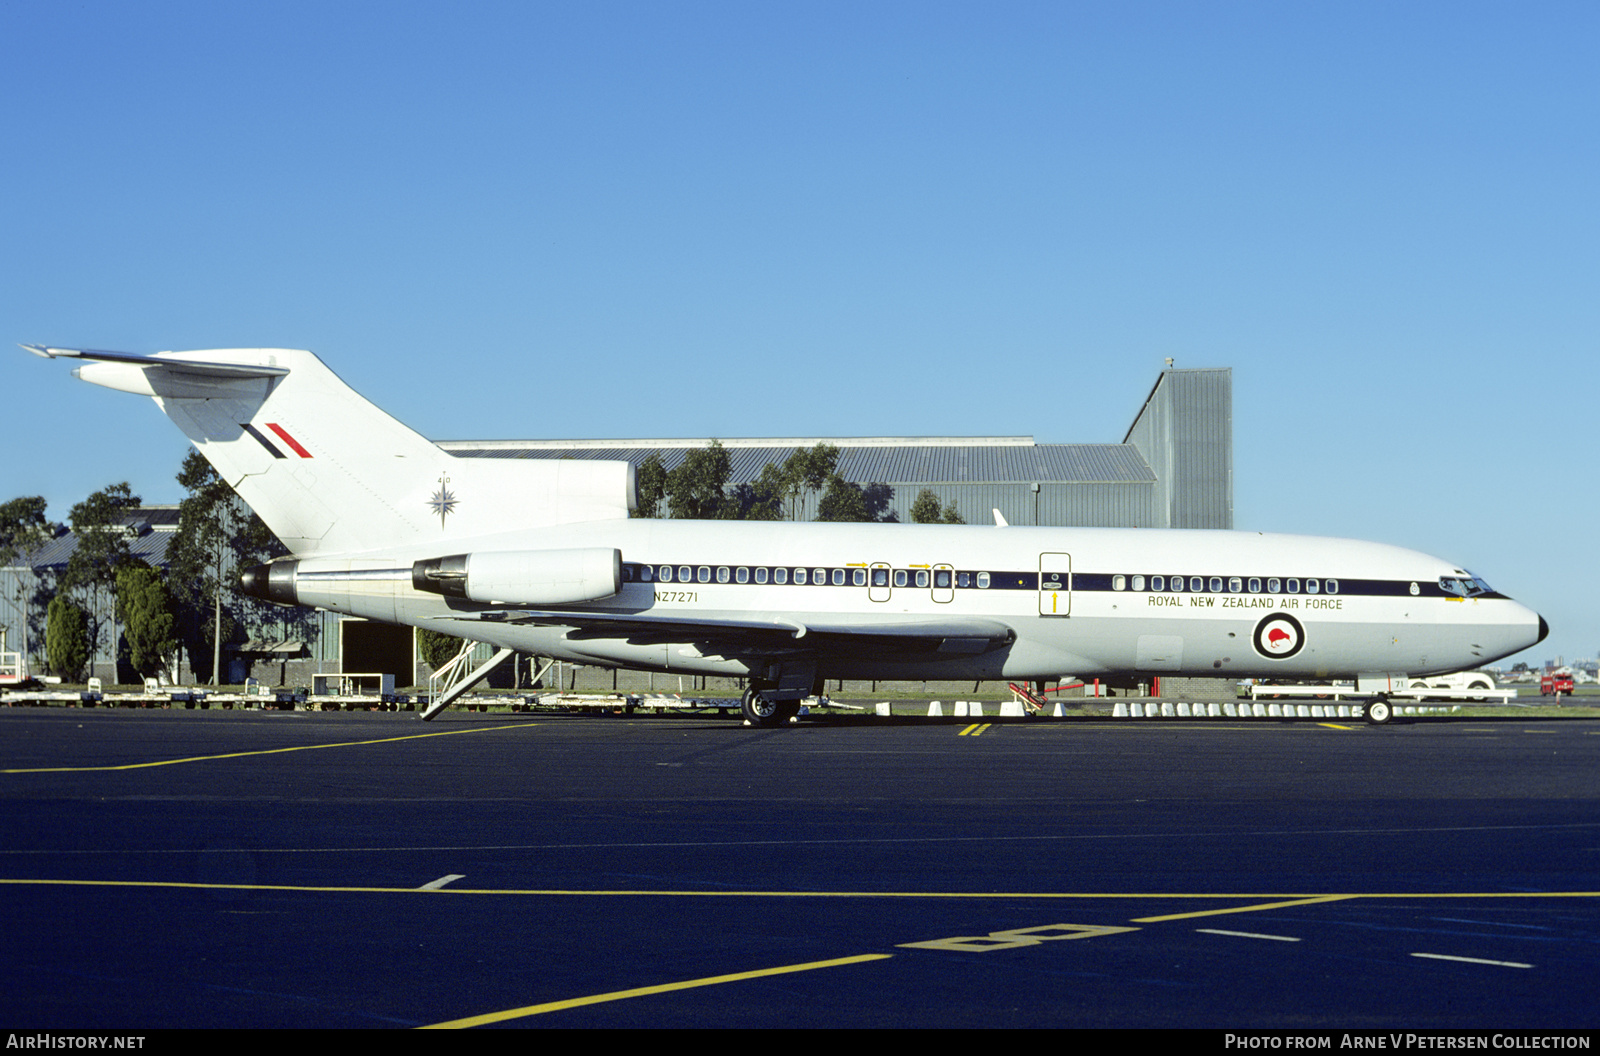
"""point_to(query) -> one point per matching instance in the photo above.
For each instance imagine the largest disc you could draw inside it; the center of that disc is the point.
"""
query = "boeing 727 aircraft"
(542, 556)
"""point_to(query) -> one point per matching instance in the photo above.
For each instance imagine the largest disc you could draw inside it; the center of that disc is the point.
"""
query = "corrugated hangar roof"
(888, 460)
(149, 530)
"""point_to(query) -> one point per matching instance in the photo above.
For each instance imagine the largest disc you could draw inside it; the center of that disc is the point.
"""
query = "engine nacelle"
(523, 577)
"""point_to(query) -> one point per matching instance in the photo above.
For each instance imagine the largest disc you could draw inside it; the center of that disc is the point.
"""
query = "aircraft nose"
(1544, 630)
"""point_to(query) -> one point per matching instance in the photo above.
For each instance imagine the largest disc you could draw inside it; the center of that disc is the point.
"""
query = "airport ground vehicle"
(1456, 683)
(1556, 683)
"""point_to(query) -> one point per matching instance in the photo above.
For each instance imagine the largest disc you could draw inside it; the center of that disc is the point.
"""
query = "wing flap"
(829, 633)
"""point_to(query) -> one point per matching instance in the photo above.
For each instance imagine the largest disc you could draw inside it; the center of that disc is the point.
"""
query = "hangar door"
(1055, 584)
(369, 648)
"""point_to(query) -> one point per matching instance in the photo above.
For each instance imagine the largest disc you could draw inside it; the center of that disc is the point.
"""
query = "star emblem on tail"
(443, 501)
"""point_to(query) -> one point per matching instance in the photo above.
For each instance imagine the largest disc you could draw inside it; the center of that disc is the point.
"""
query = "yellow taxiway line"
(645, 991)
(260, 751)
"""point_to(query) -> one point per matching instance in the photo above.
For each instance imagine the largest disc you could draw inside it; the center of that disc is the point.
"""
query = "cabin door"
(1055, 584)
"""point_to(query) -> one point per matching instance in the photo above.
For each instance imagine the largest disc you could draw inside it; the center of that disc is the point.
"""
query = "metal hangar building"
(1173, 469)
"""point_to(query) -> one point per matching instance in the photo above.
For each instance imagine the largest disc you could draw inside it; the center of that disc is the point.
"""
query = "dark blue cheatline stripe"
(1081, 582)
(262, 440)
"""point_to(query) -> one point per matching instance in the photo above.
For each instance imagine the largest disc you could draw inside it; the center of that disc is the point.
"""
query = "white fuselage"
(1079, 601)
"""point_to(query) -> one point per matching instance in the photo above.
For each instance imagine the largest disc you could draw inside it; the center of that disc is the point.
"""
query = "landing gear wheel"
(760, 709)
(1379, 712)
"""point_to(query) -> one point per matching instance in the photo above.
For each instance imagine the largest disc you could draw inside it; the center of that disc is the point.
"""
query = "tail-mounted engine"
(523, 577)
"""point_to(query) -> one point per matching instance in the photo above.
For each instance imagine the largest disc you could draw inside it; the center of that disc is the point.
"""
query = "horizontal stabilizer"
(175, 366)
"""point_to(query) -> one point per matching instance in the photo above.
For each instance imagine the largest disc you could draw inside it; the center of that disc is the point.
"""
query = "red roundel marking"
(1279, 636)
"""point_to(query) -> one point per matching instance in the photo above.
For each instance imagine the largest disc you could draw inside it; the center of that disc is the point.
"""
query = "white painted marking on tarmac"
(434, 885)
(1471, 960)
(1248, 935)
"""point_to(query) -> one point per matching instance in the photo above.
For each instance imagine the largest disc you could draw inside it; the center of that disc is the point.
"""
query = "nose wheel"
(1379, 712)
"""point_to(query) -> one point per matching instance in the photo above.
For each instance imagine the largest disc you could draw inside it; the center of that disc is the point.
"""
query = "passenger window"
(900, 577)
(780, 575)
(1291, 586)
(684, 574)
(1216, 584)
(1138, 583)
(800, 577)
(1255, 585)
(1197, 584)
(922, 577)
(858, 577)
(1177, 582)
(761, 575)
(1332, 585)
(1313, 587)
(723, 573)
(1274, 586)
(963, 579)
(880, 577)
(1119, 583)
(838, 577)
(741, 575)
(941, 579)
(703, 574)
(819, 576)
(1158, 582)
(646, 573)
(1235, 585)
(983, 581)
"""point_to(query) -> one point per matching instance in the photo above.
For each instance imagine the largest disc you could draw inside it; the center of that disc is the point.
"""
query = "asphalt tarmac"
(294, 869)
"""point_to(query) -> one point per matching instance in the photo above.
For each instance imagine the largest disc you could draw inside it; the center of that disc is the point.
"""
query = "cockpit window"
(1468, 586)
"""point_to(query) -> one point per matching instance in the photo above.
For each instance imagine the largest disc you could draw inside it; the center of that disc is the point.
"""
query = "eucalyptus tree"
(101, 537)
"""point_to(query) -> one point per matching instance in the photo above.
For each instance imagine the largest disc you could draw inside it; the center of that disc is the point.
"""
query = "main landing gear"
(762, 707)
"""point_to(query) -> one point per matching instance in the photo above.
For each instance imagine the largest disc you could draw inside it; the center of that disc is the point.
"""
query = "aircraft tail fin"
(331, 473)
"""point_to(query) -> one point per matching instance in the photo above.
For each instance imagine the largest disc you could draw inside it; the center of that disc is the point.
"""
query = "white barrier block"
(1120, 711)
(1258, 710)
(959, 709)
(974, 709)
(1231, 709)
(1059, 713)
(1214, 710)
(1167, 710)
(935, 711)
(1344, 711)
(1183, 709)
(1011, 709)
(883, 708)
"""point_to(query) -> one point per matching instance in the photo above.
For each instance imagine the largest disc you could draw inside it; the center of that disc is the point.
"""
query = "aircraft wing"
(829, 634)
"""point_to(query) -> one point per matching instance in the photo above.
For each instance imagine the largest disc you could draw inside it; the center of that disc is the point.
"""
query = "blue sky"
(518, 220)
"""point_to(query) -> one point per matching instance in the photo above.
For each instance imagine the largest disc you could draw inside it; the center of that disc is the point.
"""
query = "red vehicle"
(1556, 684)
